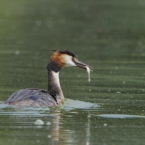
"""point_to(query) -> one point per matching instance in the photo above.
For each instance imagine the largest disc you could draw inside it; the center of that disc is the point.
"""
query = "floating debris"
(38, 122)
(48, 123)
(105, 124)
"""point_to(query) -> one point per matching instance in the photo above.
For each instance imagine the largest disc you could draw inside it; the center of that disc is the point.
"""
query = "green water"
(109, 35)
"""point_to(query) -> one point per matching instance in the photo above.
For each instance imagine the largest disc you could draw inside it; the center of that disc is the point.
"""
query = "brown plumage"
(54, 95)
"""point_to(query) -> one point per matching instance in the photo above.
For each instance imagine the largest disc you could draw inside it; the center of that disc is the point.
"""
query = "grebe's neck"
(54, 88)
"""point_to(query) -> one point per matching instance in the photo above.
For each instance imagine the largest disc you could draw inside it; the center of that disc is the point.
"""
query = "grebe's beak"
(81, 64)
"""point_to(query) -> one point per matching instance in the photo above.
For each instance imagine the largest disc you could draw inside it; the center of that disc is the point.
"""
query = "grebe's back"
(32, 97)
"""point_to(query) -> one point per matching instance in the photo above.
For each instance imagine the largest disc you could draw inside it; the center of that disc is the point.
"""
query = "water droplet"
(49, 136)
(48, 123)
(17, 52)
(89, 115)
(105, 124)
(38, 22)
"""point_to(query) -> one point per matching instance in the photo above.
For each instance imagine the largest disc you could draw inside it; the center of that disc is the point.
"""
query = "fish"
(88, 72)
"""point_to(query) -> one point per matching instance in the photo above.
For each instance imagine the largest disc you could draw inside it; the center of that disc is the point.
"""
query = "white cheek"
(70, 64)
(69, 61)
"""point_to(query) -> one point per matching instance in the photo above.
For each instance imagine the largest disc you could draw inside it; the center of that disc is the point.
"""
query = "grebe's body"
(39, 97)
(54, 95)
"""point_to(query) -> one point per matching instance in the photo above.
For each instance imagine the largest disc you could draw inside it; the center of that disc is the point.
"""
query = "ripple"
(121, 116)
(45, 111)
(70, 104)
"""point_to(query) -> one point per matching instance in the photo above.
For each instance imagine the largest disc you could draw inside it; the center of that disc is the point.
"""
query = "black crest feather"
(65, 52)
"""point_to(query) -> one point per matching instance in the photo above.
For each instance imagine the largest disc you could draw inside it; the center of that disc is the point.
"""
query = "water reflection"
(58, 122)
(88, 133)
(54, 129)
(58, 134)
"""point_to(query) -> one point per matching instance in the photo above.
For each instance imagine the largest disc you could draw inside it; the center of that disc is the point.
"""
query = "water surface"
(109, 36)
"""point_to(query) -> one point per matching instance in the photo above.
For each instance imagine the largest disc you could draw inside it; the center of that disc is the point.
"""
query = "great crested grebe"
(54, 95)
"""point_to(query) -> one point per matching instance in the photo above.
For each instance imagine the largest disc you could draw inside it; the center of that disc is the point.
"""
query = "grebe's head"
(66, 58)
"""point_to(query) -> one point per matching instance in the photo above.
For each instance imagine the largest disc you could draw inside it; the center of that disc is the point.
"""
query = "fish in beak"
(83, 66)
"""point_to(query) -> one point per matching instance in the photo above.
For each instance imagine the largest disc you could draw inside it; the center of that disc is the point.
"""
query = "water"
(109, 36)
